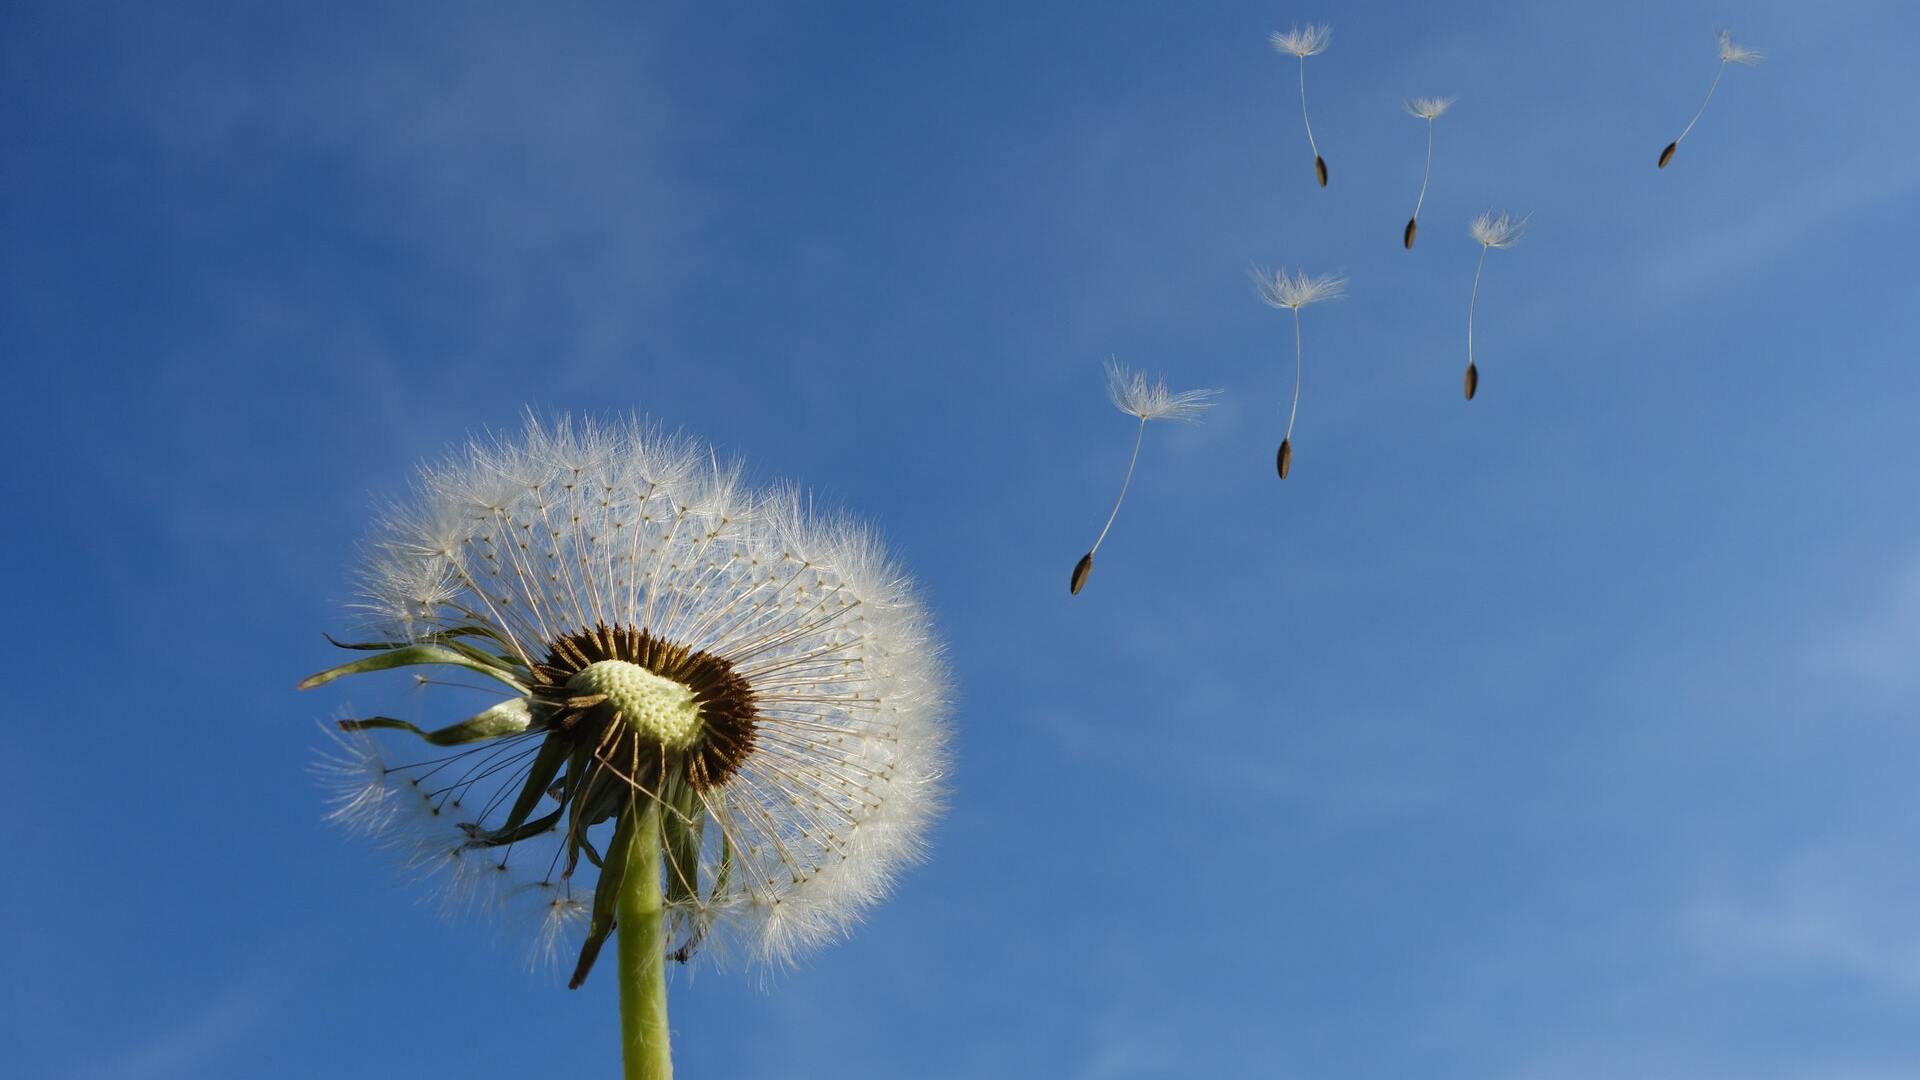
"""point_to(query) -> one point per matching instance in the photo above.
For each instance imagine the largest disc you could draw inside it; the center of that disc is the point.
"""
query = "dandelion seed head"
(1278, 288)
(1302, 41)
(1428, 108)
(1132, 393)
(763, 674)
(1731, 53)
(1498, 231)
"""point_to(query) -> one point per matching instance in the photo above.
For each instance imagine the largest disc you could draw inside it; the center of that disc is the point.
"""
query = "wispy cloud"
(1129, 1042)
(1782, 225)
(1827, 912)
(1273, 772)
(1878, 646)
(531, 164)
(192, 1043)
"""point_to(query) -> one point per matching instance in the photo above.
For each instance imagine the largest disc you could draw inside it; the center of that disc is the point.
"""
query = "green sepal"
(725, 873)
(606, 896)
(438, 637)
(449, 638)
(512, 717)
(512, 834)
(410, 655)
(680, 829)
(546, 764)
(584, 785)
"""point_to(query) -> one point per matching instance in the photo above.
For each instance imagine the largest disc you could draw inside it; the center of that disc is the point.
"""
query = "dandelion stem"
(1475, 299)
(1311, 145)
(1131, 462)
(1422, 200)
(1295, 410)
(643, 962)
(1717, 72)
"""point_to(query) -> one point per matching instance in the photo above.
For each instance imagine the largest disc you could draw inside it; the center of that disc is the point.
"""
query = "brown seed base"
(1080, 571)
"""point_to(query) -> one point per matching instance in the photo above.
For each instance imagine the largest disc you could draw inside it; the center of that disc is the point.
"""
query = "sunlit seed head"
(658, 708)
(1280, 289)
(1428, 108)
(1731, 53)
(1132, 393)
(783, 649)
(1302, 41)
(1498, 231)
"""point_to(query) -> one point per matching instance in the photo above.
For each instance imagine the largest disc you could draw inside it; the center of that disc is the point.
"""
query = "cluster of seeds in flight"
(1293, 290)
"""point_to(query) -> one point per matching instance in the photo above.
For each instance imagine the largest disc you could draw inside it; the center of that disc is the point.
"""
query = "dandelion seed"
(1132, 394)
(1730, 53)
(1278, 289)
(1428, 109)
(723, 718)
(1301, 43)
(1490, 232)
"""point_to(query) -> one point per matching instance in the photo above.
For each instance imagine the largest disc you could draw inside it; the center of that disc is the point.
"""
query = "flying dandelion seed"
(1730, 53)
(1490, 232)
(1279, 289)
(722, 725)
(1302, 43)
(1428, 109)
(1132, 394)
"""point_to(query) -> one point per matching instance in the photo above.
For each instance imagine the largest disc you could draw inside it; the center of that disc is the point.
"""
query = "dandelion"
(1132, 394)
(721, 725)
(1730, 53)
(1491, 232)
(1279, 289)
(1428, 109)
(1302, 43)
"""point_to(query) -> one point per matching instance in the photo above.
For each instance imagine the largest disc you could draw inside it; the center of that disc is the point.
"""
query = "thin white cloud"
(1827, 913)
(1841, 190)
(1132, 1042)
(531, 163)
(193, 1043)
(1876, 647)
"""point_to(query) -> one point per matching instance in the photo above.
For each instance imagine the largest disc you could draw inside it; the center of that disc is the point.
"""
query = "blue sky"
(1565, 734)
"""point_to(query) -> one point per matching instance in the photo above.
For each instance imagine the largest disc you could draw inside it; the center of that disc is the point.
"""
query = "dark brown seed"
(1667, 154)
(1080, 571)
(1413, 226)
(1284, 459)
(1473, 380)
(1320, 169)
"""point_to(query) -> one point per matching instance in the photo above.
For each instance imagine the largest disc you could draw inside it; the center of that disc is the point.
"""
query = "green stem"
(643, 950)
